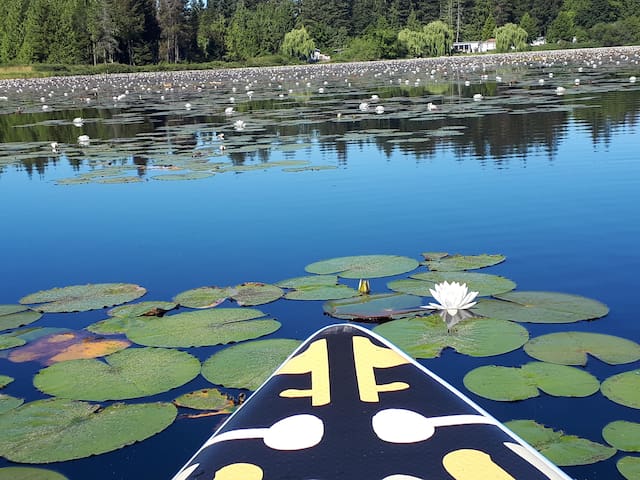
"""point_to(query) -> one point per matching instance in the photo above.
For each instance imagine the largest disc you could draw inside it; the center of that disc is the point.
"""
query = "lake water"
(550, 181)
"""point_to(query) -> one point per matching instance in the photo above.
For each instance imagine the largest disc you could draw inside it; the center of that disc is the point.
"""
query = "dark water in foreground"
(552, 182)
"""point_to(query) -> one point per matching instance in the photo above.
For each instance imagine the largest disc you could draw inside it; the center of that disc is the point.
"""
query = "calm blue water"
(556, 192)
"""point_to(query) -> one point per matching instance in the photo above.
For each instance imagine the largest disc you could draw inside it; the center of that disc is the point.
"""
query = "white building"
(475, 46)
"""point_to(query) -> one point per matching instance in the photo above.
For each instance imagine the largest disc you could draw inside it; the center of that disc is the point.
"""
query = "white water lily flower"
(452, 297)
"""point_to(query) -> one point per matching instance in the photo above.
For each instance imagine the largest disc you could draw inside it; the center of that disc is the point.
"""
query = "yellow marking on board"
(315, 360)
(368, 356)
(468, 464)
(239, 471)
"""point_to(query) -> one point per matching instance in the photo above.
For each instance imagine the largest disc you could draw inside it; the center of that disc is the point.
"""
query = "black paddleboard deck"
(347, 404)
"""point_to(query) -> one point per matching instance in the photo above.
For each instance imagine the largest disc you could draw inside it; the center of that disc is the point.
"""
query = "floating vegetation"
(207, 399)
(510, 384)
(247, 365)
(202, 297)
(563, 450)
(142, 309)
(629, 467)
(5, 380)
(131, 373)
(443, 262)
(203, 327)
(255, 293)
(623, 435)
(80, 298)
(67, 421)
(7, 402)
(10, 341)
(373, 308)
(484, 284)
(29, 473)
(571, 348)
(623, 388)
(13, 316)
(58, 347)
(541, 307)
(426, 337)
(364, 266)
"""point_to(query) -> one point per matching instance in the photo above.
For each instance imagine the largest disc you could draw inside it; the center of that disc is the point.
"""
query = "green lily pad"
(629, 467)
(623, 435)
(309, 281)
(623, 388)
(10, 341)
(56, 430)
(29, 473)
(426, 337)
(541, 307)
(563, 450)
(374, 307)
(510, 384)
(116, 325)
(7, 402)
(142, 309)
(571, 348)
(13, 316)
(5, 380)
(80, 298)
(482, 283)
(206, 399)
(456, 263)
(202, 297)
(322, 292)
(255, 293)
(249, 364)
(131, 373)
(364, 266)
(203, 327)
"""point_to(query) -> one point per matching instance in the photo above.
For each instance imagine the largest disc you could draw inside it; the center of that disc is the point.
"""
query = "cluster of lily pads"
(146, 348)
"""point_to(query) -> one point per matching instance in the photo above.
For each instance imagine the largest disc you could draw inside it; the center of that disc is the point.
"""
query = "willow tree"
(511, 37)
(298, 43)
(439, 38)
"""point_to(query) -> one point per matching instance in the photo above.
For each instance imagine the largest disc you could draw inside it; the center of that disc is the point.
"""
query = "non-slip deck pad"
(347, 404)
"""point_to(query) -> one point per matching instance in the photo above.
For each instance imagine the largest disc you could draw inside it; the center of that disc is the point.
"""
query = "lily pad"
(13, 316)
(203, 327)
(629, 467)
(29, 473)
(10, 341)
(322, 292)
(378, 307)
(56, 430)
(5, 380)
(59, 347)
(426, 337)
(456, 263)
(7, 402)
(510, 384)
(623, 388)
(142, 309)
(623, 435)
(309, 281)
(131, 373)
(364, 266)
(482, 283)
(206, 399)
(563, 450)
(571, 348)
(541, 307)
(255, 293)
(116, 325)
(80, 298)
(202, 297)
(249, 364)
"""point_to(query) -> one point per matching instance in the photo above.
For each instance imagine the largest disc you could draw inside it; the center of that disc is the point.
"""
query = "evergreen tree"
(212, 29)
(529, 25)
(102, 31)
(327, 22)
(12, 28)
(488, 29)
(562, 28)
(38, 30)
(172, 23)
